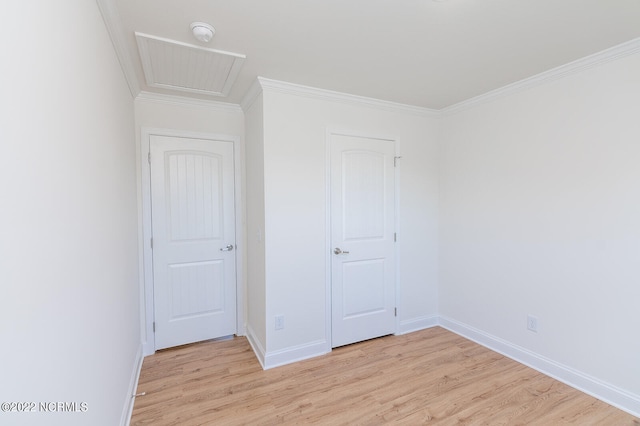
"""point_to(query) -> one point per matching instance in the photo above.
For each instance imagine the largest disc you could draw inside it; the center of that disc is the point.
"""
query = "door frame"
(146, 254)
(330, 132)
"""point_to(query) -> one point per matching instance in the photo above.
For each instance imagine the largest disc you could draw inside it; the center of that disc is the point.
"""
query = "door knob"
(337, 250)
(227, 248)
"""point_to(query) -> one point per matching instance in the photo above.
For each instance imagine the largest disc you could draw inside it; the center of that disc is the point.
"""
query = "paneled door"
(193, 225)
(362, 238)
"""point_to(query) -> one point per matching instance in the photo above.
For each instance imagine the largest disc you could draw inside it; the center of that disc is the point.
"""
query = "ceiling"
(426, 53)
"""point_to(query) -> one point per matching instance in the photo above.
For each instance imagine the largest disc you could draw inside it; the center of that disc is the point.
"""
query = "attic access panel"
(174, 65)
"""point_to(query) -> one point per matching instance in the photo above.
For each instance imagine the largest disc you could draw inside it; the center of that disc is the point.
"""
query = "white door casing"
(193, 225)
(362, 198)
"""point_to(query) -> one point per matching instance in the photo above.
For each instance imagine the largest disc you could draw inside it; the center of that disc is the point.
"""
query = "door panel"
(362, 288)
(196, 289)
(362, 230)
(192, 192)
(363, 195)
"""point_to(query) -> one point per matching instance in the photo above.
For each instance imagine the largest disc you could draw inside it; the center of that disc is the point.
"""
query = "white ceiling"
(417, 52)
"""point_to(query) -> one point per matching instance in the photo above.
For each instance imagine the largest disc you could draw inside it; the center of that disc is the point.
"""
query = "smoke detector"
(202, 31)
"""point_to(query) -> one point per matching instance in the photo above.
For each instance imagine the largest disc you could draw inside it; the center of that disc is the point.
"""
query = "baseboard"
(133, 385)
(256, 346)
(416, 324)
(605, 392)
(295, 353)
(285, 356)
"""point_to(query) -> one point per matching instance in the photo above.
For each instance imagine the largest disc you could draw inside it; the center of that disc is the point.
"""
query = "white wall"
(68, 246)
(540, 214)
(175, 113)
(256, 296)
(295, 214)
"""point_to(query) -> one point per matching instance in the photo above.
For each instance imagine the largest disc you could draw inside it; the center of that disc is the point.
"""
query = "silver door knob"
(337, 250)
(227, 248)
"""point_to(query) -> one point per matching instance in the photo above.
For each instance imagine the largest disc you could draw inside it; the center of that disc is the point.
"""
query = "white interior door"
(193, 225)
(362, 236)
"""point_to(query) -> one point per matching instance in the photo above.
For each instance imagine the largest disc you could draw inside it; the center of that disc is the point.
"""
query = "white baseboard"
(295, 353)
(133, 385)
(285, 356)
(606, 392)
(320, 347)
(256, 346)
(416, 324)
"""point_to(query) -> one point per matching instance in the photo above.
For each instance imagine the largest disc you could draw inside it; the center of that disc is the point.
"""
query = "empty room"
(336, 212)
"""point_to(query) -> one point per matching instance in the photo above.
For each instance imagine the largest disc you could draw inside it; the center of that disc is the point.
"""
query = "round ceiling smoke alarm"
(202, 31)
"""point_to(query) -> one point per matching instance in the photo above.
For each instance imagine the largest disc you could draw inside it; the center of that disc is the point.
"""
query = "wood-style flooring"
(427, 377)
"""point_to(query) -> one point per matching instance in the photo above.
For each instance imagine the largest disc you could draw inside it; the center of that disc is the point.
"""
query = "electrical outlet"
(279, 322)
(532, 323)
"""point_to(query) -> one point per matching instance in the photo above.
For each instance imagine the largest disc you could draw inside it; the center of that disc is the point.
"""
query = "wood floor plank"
(427, 377)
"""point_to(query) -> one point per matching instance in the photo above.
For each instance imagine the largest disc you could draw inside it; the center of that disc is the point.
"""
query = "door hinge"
(149, 157)
(154, 326)
(152, 243)
(395, 312)
(395, 237)
(395, 161)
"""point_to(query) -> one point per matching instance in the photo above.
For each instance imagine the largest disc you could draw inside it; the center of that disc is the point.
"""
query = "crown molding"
(251, 95)
(330, 95)
(184, 101)
(112, 21)
(608, 55)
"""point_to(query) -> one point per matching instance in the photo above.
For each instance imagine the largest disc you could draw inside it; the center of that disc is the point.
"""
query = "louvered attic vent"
(170, 64)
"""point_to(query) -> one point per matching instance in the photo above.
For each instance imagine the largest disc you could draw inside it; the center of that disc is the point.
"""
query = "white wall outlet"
(279, 322)
(532, 323)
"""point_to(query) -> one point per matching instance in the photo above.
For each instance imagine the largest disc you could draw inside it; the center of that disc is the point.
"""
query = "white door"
(193, 225)
(362, 236)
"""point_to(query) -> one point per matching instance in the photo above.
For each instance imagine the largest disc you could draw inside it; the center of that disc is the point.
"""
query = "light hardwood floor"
(427, 377)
